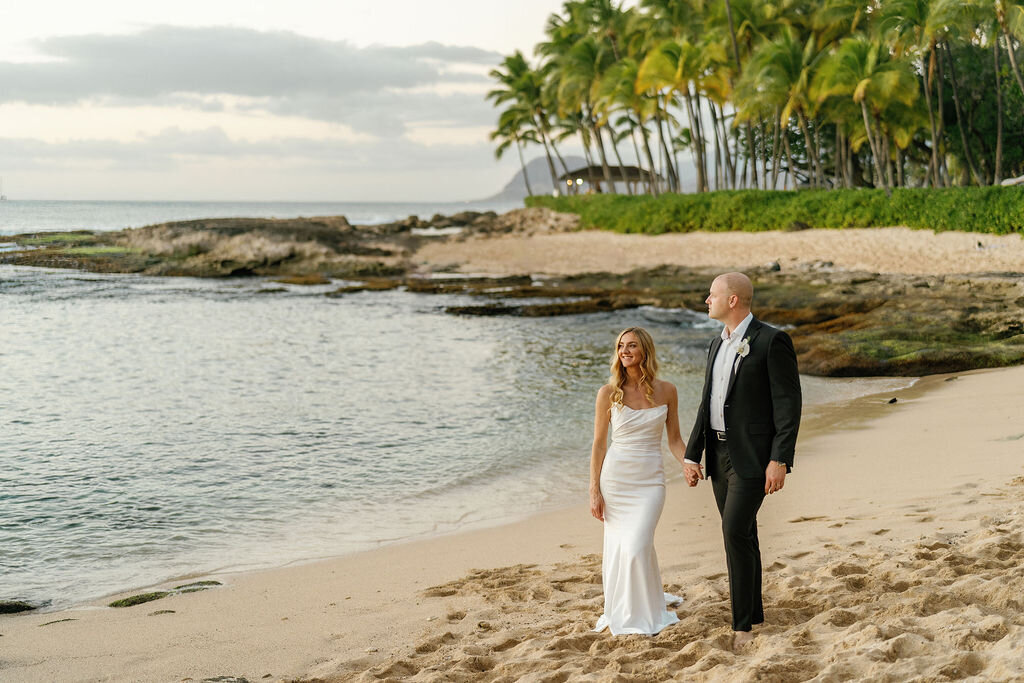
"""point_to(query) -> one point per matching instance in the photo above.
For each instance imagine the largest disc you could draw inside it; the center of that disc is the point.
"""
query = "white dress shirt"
(721, 369)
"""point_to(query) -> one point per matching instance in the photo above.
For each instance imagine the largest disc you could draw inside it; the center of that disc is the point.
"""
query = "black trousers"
(738, 502)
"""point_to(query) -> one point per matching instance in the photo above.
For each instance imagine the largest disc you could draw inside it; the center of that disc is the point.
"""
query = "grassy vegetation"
(994, 210)
(97, 250)
(56, 239)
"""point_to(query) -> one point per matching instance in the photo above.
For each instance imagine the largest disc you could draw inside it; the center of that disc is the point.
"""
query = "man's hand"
(693, 473)
(597, 505)
(774, 476)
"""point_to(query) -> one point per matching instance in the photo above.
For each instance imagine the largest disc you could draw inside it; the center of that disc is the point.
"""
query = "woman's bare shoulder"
(664, 388)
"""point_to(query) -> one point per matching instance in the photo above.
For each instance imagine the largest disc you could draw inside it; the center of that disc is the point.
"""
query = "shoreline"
(813, 415)
(323, 618)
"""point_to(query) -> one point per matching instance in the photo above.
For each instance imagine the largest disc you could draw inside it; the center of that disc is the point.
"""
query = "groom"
(746, 424)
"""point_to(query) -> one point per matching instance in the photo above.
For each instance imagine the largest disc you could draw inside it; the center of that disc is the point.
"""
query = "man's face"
(718, 300)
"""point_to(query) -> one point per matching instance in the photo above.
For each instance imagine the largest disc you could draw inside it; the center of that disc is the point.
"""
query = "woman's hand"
(597, 505)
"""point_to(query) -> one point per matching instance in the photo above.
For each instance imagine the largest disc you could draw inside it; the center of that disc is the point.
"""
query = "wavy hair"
(648, 366)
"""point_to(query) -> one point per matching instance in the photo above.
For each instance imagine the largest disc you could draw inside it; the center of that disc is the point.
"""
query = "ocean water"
(153, 427)
(21, 216)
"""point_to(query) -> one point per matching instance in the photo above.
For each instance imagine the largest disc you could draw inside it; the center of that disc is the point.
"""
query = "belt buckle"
(720, 435)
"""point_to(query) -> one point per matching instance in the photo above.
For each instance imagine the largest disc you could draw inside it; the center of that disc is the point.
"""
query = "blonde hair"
(648, 366)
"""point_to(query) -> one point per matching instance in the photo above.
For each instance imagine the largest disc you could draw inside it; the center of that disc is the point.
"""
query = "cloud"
(283, 72)
(174, 147)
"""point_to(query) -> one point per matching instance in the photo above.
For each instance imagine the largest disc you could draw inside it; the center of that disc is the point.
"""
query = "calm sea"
(19, 216)
(153, 427)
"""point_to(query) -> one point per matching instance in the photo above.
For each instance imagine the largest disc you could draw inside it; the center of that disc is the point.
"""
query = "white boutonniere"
(743, 348)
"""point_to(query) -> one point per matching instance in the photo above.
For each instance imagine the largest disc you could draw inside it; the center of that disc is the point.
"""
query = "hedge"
(994, 210)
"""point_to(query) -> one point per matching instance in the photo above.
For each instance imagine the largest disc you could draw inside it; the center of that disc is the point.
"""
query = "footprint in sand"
(454, 617)
(476, 664)
(847, 569)
(433, 644)
(797, 556)
(815, 518)
(881, 532)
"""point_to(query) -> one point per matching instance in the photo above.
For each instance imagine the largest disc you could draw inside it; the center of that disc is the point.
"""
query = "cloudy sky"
(251, 99)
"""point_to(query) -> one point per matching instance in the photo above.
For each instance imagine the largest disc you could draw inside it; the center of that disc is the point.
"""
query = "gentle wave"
(151, 427)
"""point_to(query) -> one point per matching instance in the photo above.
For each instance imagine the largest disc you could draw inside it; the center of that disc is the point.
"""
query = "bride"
(627, 484)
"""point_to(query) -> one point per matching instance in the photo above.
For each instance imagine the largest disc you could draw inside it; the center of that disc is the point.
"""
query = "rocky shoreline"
(843, 323)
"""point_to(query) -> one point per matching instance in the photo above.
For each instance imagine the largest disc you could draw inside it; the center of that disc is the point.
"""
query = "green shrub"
(995, 210)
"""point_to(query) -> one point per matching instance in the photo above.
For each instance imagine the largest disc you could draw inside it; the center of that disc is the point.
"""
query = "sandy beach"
(886, 250)
(895, 551)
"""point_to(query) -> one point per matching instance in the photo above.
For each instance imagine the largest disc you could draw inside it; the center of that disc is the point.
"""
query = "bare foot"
(741, 638)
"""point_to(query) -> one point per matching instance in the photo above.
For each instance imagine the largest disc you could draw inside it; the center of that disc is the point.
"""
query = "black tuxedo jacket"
(762, 405)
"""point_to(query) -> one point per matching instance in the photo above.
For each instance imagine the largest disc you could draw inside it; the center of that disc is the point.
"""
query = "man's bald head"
(740, 285)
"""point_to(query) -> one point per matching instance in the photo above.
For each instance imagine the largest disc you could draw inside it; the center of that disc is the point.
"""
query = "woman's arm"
(675, 439)
(597, 451)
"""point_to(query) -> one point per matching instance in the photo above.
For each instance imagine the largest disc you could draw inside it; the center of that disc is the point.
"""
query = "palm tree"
(579, 72)
(680, 66)
(514, 128)
(523, 86)
(783, 70)
(864, 70)
(618, 92)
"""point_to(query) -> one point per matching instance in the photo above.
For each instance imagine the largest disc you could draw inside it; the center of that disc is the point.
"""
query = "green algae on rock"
(16, 606)
(139, 599)
(192, 587)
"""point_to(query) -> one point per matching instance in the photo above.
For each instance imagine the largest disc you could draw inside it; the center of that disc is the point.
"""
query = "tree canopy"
(775, 94)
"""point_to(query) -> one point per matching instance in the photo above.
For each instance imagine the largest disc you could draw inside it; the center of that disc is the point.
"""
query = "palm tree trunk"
(605, 168)
(522, 165)
(926, 76)
(889, 180)
(547, 155)
(587, 155)
(622, 167)
(636, 152)
(764, 152)
(1013, 58)
(719, 173)
(730, 163)
(941, 128)
(554, 148)
(876, 152)
(698, 144)
(851, 159)
(818, 151)
(790, 166)
(998, 174)
(776, 149)
(673, 179)
(959, 116)
(812, 156)
(837, 158)
(650, 160)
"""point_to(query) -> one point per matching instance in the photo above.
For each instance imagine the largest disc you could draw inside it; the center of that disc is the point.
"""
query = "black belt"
(719, 436)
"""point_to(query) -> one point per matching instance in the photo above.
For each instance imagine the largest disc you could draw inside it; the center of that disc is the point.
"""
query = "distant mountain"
(540, 179)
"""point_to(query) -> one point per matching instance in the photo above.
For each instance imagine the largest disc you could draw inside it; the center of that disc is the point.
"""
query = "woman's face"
(630, 352)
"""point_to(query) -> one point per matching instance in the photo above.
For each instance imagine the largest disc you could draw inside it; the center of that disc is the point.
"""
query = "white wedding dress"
(633, 486)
